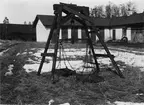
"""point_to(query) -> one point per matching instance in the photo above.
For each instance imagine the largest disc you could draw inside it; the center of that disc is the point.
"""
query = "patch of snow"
(38, 54)
(1, 53)
(127, 103)
(18, 54)
(9, 73)
(140, 94)
(128, 58)
(51, 101)
(30, 60)
(24, 53)
(47, 67)
(34, 67)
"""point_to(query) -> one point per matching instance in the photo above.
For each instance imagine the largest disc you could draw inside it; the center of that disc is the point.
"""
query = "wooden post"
(92, 49)
(57, 42)
(109, 54)
(47, 44)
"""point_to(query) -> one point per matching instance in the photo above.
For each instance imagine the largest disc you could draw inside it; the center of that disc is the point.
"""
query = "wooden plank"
(66, 39)
(104, 55)
(48, 54)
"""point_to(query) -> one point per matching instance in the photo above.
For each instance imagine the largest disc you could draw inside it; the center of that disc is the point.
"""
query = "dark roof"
(99, 22)
(48, 19)
(21, 28)
(128, 20)
(45, 19)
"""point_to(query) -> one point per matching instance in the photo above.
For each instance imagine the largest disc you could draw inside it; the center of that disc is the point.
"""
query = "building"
(17, 32)
(130, 26)
(112, 29)
(43, 23)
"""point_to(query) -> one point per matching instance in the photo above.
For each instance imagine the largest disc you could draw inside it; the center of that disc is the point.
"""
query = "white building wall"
(60, 34)
(118, 33)
(41, 32)
(69, 33)
(107, 34)
(128, 33)
(79, 33)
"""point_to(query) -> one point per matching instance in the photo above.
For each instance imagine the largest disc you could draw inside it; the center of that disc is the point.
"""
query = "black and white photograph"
(71, 52)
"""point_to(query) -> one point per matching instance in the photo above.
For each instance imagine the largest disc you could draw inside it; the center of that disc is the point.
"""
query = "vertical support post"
(59, 14)
(109, 54)
(92, 49)
(47, 44)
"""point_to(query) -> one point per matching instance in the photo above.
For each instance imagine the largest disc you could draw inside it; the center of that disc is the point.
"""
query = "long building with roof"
(111, 29)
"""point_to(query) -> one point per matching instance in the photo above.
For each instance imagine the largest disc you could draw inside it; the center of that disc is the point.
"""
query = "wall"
(107, 35)
(128, 33)
(41, 32)
(119, 33)
(137, 36)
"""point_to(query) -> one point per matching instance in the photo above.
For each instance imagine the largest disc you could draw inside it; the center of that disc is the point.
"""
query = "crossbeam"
(48, 54)
(104, 55)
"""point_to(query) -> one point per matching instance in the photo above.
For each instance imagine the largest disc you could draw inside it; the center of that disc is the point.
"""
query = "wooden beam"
(66, 8)
(58, 23)
(48, 54)
(108, 53)
(47, 44)
(104, 55)
(65, 19)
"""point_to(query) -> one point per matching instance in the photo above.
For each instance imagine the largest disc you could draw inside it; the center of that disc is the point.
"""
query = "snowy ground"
(129, 58)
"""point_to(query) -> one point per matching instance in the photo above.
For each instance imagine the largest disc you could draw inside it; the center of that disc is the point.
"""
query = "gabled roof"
(45, 19)
(48, 19)
(99, 22)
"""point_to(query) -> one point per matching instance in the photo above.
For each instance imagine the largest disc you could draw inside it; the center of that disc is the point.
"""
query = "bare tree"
(97, 11)
(111, 10)
(116, 10)
(131, 7)
(128, 8)
(108, 10)
(124, 10)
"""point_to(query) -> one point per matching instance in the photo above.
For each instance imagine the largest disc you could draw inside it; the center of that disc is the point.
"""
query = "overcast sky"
(19, 11)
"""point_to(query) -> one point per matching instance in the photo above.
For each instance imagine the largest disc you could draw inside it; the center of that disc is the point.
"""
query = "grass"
(28, 88)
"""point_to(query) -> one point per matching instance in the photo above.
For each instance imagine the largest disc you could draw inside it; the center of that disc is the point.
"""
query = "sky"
(19, 11)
